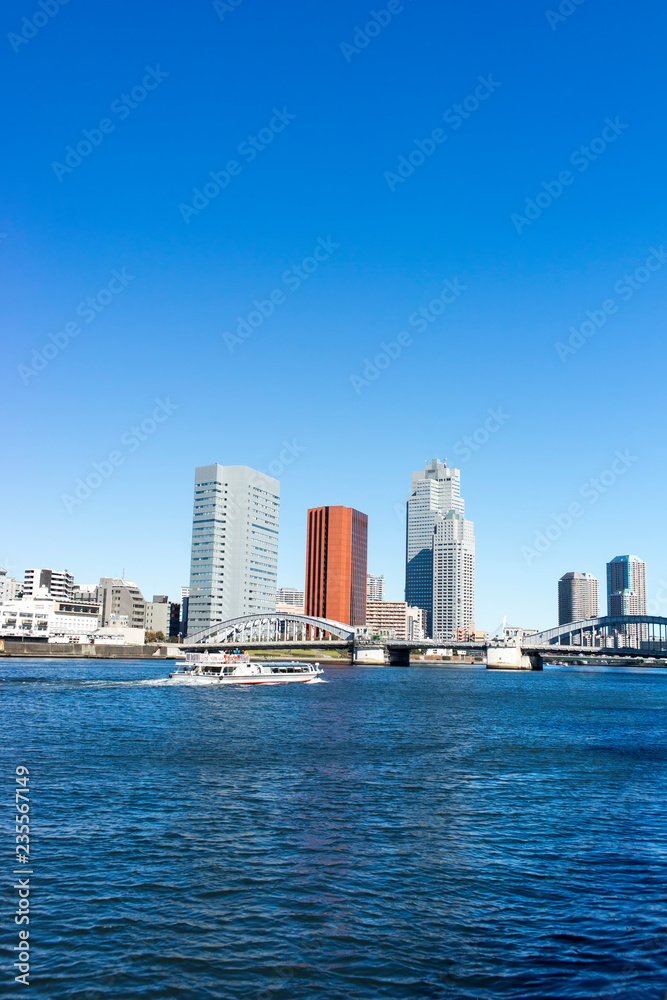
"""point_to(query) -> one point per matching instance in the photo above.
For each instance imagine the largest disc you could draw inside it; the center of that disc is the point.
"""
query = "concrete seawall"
(86, 651)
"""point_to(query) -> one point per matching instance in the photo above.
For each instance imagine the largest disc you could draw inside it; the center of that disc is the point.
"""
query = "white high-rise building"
(435, 491)
(374, 587)
(453, 577)
(57, 583)
(234, 563)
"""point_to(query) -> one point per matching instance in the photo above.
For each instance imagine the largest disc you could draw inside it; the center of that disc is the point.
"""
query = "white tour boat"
(238, 668)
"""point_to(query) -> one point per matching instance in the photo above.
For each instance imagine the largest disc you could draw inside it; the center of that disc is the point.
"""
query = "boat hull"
(202, 670)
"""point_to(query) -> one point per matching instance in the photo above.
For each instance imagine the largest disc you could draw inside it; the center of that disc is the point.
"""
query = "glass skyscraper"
(234, 562)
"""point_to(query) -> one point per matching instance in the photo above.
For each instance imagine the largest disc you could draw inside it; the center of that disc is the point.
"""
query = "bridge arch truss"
(249, 629)
(646, 633)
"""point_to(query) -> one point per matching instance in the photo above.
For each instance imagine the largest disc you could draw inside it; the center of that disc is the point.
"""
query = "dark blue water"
(393, 833)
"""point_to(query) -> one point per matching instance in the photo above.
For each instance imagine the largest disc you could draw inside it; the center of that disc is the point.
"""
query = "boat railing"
(216, 658)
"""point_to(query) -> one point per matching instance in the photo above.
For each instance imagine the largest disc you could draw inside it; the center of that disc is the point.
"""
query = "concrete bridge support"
(511, 658)
(370, 656)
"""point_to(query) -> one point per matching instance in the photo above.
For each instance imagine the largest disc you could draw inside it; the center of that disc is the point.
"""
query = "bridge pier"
(512, 658)
(370, 656)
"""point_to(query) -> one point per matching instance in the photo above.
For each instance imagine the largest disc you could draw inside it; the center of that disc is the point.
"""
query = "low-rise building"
(49, 618)
(387, 618)
(291, 596)
(113, 635)
(417, 623)
(157, 614)
(511, 632)
(10, 588)
(396, 619)
(470, 635)
(85, 592)
(121, 597)
(290, 609)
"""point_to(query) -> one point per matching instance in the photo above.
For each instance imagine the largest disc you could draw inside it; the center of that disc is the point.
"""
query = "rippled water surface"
(392, 833)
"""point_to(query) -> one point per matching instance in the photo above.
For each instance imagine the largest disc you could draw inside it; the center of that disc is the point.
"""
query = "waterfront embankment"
(86, 651)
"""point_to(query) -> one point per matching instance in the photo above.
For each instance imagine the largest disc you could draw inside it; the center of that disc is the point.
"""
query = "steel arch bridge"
(646, 633)
(249, 629)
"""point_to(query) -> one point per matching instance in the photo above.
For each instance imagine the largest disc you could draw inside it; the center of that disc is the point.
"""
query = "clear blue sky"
(330, 173)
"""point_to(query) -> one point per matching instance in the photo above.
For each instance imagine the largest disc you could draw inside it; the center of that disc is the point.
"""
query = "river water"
(388, 833)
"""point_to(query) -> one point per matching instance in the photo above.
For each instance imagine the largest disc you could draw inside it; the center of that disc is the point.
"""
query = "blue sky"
(332, 125)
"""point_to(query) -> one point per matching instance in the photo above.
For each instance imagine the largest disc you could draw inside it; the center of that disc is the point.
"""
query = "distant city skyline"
(578, 592)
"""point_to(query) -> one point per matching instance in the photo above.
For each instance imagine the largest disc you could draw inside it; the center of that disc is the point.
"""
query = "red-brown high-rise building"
(336, 564)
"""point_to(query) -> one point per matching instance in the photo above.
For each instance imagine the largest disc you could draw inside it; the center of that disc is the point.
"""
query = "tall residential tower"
(234, 563)
(577, 597)
(626, 586)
